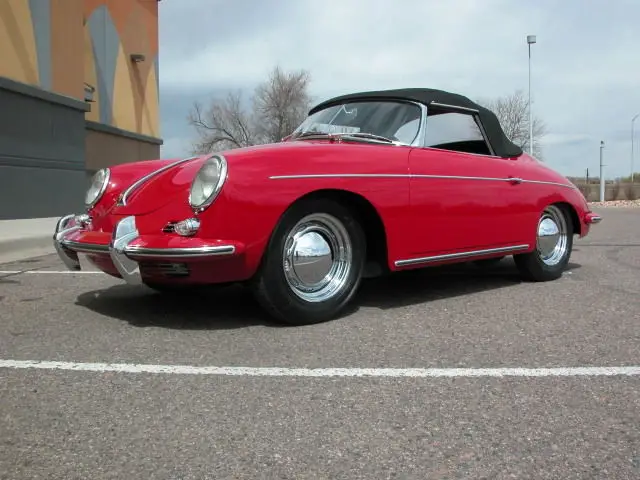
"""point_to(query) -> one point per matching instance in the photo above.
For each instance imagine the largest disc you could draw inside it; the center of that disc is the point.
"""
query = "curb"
(23, 239)
(23, 248)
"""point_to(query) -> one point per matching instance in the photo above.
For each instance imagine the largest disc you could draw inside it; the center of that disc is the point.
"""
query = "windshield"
(397, 121)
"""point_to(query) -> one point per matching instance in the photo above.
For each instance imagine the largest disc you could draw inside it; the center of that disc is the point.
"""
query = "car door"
(461, 196)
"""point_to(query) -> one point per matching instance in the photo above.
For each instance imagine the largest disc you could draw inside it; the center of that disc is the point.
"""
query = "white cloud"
(359, 45)
(585, 77)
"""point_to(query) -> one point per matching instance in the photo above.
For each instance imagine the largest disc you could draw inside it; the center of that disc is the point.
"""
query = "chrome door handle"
(515, 180)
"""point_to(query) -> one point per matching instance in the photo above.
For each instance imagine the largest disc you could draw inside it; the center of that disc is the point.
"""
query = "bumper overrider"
(592, 218)
(122, 250)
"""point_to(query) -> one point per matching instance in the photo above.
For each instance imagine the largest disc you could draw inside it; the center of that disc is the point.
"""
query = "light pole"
(530, 39)
(632, 120)
(601, 172)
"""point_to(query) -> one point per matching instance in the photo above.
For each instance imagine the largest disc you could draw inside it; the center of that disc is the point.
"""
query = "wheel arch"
(573, 216)
(371, 222)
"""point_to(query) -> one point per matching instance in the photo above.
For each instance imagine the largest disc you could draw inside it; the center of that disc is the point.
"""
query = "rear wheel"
(554, 242)
(313, 263)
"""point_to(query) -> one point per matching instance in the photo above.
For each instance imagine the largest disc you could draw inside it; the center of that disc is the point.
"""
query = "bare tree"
(513, 113)
(281, 104)
(278, 106)
(223, 126)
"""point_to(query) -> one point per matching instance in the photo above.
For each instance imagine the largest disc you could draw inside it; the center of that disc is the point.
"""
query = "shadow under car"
(232, 307)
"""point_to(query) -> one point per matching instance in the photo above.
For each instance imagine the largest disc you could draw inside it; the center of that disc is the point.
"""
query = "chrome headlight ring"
(208, 182)
(98, 186)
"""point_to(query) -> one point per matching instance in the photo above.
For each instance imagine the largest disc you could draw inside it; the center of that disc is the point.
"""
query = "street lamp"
(632, 120)
(601, 172)
(530, 39)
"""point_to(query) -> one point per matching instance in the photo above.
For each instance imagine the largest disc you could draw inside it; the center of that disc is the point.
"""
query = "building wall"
(107, 145)
(126, 94)
(52, 53)
(42, 160)
(44, 44)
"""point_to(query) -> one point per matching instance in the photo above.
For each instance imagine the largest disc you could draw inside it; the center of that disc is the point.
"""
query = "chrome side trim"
(188, 252)
(461, 177)
(542, 182)
(410, 175)
(341, 175)
(460, 255)
(122, 200)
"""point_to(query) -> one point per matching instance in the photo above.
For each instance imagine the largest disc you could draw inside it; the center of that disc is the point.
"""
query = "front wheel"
(313, 263)
(554, 242)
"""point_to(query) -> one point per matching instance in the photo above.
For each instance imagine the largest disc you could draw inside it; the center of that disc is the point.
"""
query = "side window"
(455, 131)
(407, 132)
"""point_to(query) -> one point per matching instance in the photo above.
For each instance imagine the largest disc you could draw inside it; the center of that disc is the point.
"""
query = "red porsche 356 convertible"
(369, 183)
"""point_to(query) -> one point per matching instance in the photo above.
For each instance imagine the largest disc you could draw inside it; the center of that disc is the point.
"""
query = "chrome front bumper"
(592, 218)
(124, 233)
(69, 257)
(122, 253)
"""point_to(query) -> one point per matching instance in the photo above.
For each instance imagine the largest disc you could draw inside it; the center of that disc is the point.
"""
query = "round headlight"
(208, 182)
(98, 185)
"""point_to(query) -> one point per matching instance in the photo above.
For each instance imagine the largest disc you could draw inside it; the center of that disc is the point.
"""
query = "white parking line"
(16, 272)
(322, 372)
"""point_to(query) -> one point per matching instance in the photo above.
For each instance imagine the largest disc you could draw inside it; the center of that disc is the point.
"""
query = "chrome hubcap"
(317, 257)
(552, 242)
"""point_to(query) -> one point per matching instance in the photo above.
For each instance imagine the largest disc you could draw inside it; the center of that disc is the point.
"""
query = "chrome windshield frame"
(418, 141)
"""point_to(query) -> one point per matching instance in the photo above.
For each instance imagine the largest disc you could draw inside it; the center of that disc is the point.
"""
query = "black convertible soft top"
(501, 145)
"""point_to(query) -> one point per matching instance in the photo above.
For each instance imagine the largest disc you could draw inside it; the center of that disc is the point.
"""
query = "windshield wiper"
(355, 135)
(311, 133)
(367, 135)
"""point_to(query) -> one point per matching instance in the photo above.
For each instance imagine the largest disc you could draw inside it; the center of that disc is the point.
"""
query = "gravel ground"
(616, 203)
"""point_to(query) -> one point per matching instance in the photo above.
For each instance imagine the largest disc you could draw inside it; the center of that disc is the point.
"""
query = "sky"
(585, 66)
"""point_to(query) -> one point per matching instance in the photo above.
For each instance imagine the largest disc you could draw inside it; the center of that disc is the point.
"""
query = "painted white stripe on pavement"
(16, 272)
(322, 372)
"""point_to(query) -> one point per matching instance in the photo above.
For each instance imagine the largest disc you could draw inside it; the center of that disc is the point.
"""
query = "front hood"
(173, 184)
(168, 186)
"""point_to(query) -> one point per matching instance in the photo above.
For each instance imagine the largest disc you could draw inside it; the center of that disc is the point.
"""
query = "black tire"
(532, 266)
(487, 262)
(272, 287)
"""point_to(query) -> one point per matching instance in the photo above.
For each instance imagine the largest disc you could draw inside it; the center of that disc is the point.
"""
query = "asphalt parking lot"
(82, 418)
